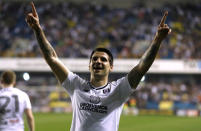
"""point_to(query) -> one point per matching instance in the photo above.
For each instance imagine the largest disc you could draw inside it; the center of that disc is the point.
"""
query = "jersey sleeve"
(124, 88)
(72, 82)
(27, 103)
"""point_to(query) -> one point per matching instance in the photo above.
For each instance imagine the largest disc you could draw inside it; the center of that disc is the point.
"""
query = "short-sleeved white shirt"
(13, 102)
(96, 109)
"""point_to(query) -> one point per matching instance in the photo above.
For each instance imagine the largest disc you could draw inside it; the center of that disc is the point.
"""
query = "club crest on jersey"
(94, 99)
(106, 91)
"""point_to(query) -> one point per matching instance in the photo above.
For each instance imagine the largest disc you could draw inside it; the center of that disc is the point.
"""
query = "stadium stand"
(75, 29)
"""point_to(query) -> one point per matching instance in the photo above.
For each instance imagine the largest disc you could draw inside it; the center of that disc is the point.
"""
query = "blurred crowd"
(75, 30)
(168, 96)
(164, 93)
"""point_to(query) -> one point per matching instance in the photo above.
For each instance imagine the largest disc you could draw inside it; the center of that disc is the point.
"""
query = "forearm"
(46, 48)
(31, 124)
(135, 75)
(30, 119)
(150, 54)
(50, 56)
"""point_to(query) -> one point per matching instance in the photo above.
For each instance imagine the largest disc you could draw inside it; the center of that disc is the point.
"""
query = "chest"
(95, 96)
(96, 100)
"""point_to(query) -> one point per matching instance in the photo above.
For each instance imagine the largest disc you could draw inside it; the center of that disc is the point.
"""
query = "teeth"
(98, 68)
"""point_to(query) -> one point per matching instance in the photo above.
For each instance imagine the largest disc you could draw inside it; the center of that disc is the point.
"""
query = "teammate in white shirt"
(97, 104)
(13, 104)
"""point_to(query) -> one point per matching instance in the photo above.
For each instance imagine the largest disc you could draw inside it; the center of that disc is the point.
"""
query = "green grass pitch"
(62, 122)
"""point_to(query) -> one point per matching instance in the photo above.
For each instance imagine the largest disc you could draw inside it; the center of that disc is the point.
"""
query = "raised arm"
(148, 57)
(59, 69)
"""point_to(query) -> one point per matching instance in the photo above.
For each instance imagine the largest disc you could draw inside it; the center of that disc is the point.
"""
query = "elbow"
(142, 69)
(30, 117)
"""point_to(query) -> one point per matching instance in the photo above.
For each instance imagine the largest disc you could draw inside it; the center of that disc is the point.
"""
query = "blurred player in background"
(97, 104)
(13, 104)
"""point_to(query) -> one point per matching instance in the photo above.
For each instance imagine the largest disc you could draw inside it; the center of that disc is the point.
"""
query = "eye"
(95, 58)
(103, 59)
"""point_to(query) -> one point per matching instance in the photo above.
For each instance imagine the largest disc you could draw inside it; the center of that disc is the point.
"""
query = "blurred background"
(75, 27)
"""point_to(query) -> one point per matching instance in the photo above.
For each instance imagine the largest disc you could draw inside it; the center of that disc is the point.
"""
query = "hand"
(163, 29)
(32, 18)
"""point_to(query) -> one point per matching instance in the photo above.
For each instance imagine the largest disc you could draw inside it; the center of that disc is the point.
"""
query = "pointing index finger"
(163, 19)
(34, 10)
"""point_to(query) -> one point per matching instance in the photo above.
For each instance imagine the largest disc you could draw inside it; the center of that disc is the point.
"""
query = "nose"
(98, 60)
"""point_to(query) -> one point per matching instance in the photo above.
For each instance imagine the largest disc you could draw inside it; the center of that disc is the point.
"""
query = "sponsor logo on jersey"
(93, 108)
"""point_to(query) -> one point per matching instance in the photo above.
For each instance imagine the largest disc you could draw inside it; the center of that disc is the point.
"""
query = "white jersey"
(13, 102)
(96, 109)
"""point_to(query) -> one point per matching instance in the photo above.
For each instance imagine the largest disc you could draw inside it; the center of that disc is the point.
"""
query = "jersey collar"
(97, 88)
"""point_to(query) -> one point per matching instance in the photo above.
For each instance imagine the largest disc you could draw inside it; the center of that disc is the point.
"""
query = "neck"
(7, 85)
(99, 81)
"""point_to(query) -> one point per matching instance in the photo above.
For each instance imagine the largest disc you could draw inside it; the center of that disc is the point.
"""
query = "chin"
(98, 73)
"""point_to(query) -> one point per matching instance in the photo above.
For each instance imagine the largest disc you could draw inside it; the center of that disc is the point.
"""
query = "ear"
(1, 82)
(89, 65)
(111, 67)
(14, 84)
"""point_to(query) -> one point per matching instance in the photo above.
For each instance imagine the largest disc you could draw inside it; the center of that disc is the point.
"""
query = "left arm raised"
(135, 75)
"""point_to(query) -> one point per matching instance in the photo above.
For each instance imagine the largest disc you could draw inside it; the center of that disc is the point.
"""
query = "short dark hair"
(103, 50)
(8, 77)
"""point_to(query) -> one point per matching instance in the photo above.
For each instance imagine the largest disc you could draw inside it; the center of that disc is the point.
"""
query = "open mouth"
(98, 67)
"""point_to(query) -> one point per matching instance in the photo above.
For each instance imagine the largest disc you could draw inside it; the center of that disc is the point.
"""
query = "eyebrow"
(100, 57)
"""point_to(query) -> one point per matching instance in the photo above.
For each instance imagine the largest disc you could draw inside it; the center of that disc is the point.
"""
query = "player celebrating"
(13, 103)
(97, 104)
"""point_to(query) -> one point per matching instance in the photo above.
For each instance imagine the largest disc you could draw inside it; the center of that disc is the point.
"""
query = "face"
(99, 64)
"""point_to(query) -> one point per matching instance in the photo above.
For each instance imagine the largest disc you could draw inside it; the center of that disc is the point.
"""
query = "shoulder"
(73, 77)
(73, 81)
(119, 81)
(122, 83)
(19, 91)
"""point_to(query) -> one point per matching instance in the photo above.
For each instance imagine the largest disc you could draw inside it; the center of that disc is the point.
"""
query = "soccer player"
(13, 104)
(97, 104)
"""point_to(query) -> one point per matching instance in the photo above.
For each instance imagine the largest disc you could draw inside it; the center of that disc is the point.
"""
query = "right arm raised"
(58, 68)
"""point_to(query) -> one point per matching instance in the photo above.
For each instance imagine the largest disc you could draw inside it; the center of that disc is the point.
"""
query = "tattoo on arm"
(149, 56)
(45, 46)
(146, 61)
